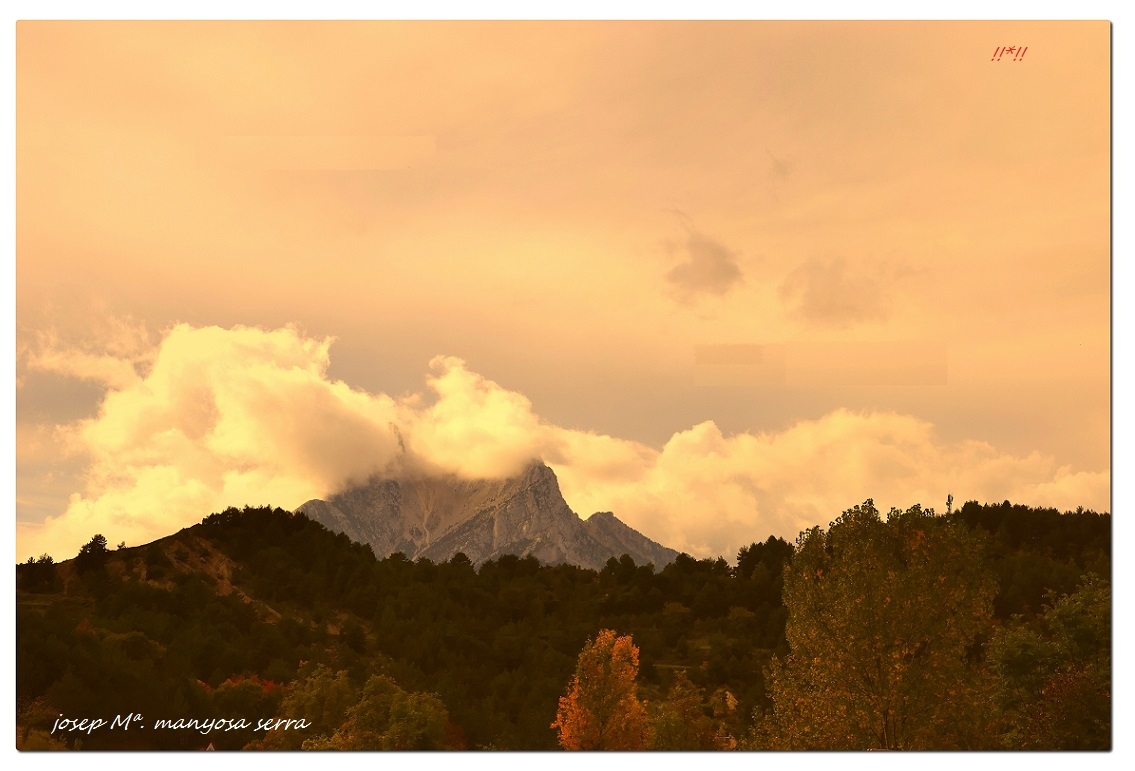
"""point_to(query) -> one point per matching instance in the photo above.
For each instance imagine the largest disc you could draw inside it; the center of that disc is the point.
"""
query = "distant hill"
(440, 516)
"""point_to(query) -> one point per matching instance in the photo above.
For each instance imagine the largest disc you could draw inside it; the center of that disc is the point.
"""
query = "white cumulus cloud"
(228, 417)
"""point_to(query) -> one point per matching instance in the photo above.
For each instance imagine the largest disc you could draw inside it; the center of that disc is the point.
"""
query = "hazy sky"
(727, 279)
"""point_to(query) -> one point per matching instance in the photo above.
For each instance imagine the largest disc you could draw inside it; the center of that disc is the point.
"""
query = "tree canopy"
(1054, 672)
(601, 710)
(881, 618)
(262, 613)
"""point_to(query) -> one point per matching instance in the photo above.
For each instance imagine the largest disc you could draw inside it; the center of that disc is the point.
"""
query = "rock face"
(437, 517)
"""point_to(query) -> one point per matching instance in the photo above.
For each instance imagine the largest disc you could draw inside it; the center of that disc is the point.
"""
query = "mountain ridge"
(436, 517)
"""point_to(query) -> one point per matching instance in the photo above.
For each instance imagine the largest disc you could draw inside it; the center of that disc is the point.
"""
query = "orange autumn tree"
(601, 710)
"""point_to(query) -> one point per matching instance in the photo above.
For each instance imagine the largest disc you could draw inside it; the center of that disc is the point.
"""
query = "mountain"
(438, 516)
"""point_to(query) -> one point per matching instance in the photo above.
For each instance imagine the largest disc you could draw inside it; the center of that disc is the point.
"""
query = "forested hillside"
(261, 613)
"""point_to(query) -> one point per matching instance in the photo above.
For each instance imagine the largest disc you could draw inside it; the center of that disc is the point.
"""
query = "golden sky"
(726, 278)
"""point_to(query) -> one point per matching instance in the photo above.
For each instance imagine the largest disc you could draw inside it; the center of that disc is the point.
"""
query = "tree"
(681, 723)
(386, 717)
(418, 721)
(354, 635)
(34, 715)
(321, 698)
(1054, 673)
(243, 697)
(37, 575)
(601, 710)
(882, 618)
(95, 546)
(92, 553)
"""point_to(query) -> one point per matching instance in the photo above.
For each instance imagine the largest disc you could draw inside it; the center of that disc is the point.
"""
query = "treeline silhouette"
(236, 615)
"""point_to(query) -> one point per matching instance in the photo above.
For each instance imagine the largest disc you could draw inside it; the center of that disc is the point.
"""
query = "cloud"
(709, 494)
(248, 416)
(829, 293)
(475, 428)
(228, 417)
(709, 268)
(110, 352)
(223, 417)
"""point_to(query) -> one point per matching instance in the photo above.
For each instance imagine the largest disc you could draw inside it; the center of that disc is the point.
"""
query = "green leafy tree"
(882, 617)
(386, 717)
(681, 721)
(1054, 673)
(418, 721)
(322, 699)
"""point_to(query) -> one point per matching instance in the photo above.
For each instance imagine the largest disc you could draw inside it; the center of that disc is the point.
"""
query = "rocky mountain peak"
(438, 516)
